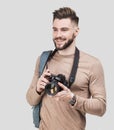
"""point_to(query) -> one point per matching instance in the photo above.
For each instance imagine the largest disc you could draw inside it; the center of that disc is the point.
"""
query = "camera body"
(52, 88)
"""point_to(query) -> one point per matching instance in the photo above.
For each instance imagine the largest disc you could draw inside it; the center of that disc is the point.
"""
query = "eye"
(54, 29)
(64, 29)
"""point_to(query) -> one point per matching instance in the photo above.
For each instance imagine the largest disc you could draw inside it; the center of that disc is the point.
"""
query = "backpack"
(36, 109)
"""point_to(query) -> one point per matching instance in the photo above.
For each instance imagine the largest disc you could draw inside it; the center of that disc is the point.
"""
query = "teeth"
(60, 40)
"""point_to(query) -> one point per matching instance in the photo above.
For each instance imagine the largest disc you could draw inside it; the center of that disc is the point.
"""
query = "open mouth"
(60, 40)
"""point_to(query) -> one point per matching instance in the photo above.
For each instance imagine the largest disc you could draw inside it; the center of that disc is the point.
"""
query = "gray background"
(26, 30)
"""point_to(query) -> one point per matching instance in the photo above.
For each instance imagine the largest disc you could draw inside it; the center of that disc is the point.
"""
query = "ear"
(76, 31)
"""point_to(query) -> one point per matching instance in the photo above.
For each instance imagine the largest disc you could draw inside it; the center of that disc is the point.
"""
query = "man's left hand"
(64, 95)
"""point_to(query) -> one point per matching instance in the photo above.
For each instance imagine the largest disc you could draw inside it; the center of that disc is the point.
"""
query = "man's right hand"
(43, 81)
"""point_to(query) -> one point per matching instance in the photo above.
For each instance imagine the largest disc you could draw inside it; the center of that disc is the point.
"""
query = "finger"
(45, 80)
(63, 86)
(45, 75)
(60, 94)
(43, 83)
(41, 88)
(47, 72)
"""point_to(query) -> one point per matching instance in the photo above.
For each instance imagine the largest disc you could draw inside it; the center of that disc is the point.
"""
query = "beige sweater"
(88, 86)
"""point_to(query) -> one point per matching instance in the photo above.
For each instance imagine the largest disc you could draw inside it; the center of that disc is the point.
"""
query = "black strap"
(74, 67)
(47, 55)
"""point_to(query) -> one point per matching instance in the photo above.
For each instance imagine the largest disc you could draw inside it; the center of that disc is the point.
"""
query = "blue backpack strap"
(43, 60)
(36, 109)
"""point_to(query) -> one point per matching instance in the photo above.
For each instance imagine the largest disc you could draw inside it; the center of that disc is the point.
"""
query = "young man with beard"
(67, 109)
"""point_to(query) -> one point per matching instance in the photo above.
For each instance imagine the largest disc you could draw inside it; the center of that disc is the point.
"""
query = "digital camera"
(52, 88)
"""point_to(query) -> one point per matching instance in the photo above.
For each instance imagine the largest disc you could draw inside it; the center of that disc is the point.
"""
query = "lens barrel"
(52, 88)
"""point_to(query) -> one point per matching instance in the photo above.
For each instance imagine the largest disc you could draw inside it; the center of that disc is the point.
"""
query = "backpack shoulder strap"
(36, 109)
(43, 60)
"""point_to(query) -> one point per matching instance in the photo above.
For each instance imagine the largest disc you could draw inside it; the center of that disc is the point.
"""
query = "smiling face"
(64, 33)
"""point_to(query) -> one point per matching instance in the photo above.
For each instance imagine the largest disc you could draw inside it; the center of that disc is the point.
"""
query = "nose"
(58, 34)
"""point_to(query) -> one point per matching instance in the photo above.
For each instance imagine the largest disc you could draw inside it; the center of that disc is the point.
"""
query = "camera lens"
(52, 88)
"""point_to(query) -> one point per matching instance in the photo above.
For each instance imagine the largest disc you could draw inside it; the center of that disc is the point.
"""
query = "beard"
(67, 44)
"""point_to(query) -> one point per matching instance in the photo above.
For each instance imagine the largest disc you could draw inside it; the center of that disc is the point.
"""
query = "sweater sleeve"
(32, 96)
(96, 104)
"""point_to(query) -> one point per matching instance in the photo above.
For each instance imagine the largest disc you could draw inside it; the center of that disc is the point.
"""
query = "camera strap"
(47, 55)
(74, 67)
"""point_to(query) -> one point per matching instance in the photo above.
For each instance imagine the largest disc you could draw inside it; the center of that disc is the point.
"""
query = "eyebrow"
(62, 28)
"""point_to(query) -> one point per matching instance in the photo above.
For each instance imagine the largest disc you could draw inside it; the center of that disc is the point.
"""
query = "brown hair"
(66, 12)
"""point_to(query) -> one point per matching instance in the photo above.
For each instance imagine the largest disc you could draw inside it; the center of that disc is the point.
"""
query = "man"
(67, 109)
